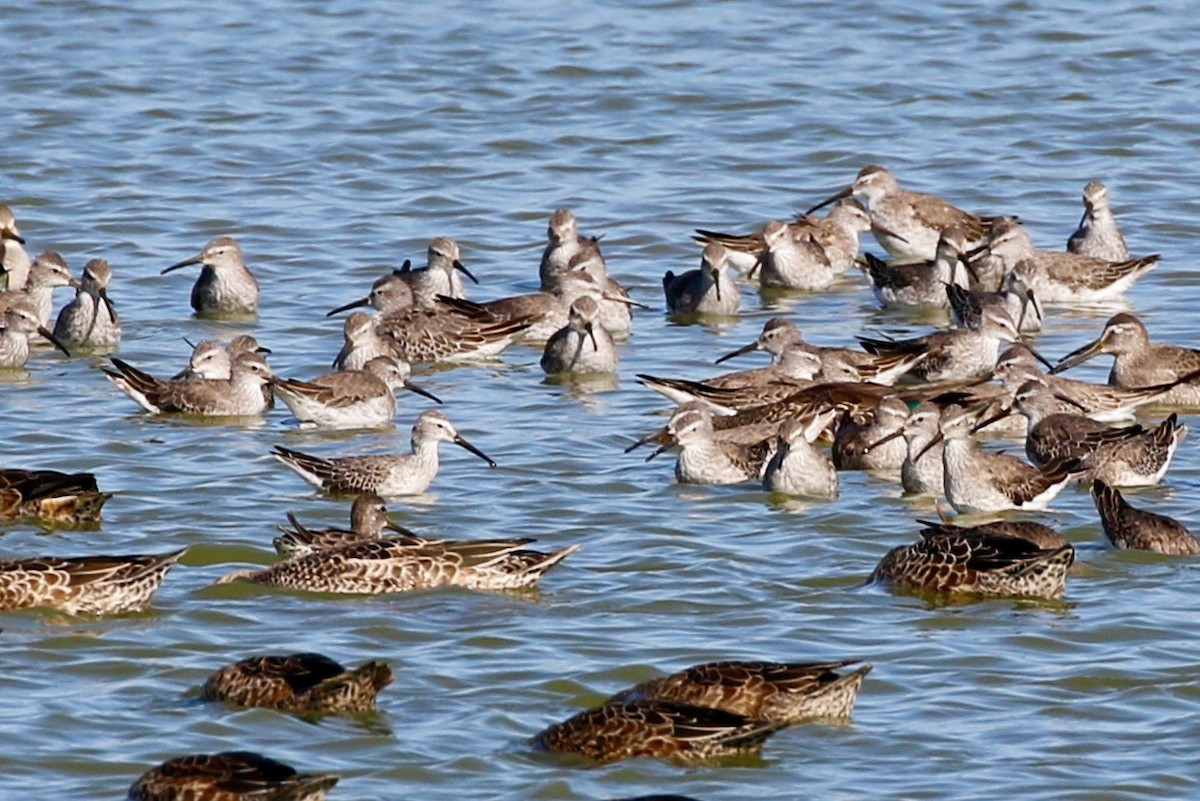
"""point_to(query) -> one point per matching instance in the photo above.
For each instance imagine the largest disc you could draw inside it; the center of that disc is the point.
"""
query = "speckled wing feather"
(229, 776)
(347, 474)
(49, 494)
(1129, 527)
(83, 585)
(301, 682)
(349, 388)
(1090, 272)
(938, 215)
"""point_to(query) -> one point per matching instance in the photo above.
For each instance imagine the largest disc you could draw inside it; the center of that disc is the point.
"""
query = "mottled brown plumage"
(987, 565)
(84, 585)
(368, 519)
(770, 691)
(229, 776)
(651, 728)
(1127, 527)
(1039, 534)
(299, 683)
(69, 498)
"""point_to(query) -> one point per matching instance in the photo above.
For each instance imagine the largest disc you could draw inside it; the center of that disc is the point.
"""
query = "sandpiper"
(582, 346)
(440, 276)
(396, 564)
(90, 322)
(84, 585)
(704, 459)
(793, 262)
(389, 293)
(213, 359)
(225, 285)
(349, 398)
(836, 234)
(455, 331)
(368, 519)
(14, 260)
(241, 395)
(1126, 457)
(1098, 235)
(20, 320)
(956, 354)
(616, 305)
(387, 475)
(653, 728)
(797, 466)
(967, 305)
(987, 565)
(919, 284)
(48, 272)
(707, 290)
(363, 342)
(1129, 527)
(69, 498)
(908, 224)
(564, 243)
(229, 776)
(921, 472)
(737, 391)
(980, 481)
(304, 682)
(1061, 277)
(1138, 362)
(787, 693)
(876, 444)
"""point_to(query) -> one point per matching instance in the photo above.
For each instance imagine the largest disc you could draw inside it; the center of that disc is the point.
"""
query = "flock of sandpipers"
(910, 409)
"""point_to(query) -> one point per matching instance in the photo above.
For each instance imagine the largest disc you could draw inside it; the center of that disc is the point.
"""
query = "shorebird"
(388, 293)
(616, 306)
(1061, 277)
(979, 481)
(1138, 362)
(908, 224)
(793, 262)
(349, 398)
(956, 354)
(387, 475)
(710, 289)
(399, 564)
(241, 395)
(582, 345)
(440, 276)
(780, 337)
(363, 341)
(967, 305)
(919, 284)
(212, 358)
(960, 561)
(564, 242)
(653, 728)
(368, 519)
(1039, 534)
(48, 272)
(304, 682)
(1126, 457)
(921, 472)
(786, 693)
(14, 261)
(20, 320)
(1098, 235)
(229, 776)
(704, 459)
(1128, 527)
(225, 285)
(836, 234)
(69, 498)
(84, 585)
(90, 322)
(797, 467)
(743, 390)
(455, 331)
(876, 444)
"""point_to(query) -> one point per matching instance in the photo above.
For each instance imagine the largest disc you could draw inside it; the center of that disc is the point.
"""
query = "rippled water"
(335, 140)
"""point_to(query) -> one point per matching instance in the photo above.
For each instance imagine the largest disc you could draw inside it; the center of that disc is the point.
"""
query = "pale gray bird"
(90, 321)
(225, 285)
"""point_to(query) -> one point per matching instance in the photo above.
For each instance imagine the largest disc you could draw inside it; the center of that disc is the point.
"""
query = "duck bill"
(462, 443)
(184, 263)
(49, 335)
(1078, 356)
(458, 265)
(884, 440)
(847, 192)
(353, 305)
(938, 437)
(411, 387)
(742, 351)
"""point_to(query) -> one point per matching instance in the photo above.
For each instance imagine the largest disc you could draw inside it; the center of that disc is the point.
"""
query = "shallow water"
(335, 141)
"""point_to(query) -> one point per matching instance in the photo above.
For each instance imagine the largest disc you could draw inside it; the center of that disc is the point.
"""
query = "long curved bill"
(847, 192)
(352, 305)
(1078, 356)
(458, 265)
(184, 263)
(742, 351)
(462, 442)
(411, 387)
(46, 333)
